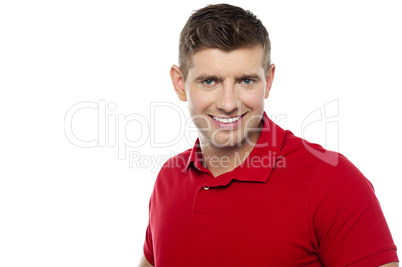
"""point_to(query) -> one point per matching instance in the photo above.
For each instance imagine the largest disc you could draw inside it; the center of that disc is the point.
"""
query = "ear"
(269, 79)
(178, 82)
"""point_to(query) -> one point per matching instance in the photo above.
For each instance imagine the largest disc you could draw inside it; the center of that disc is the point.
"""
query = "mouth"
(227, 120)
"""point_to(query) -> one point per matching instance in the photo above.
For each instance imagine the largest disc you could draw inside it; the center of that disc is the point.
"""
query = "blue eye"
(208, 82)
(247, 81)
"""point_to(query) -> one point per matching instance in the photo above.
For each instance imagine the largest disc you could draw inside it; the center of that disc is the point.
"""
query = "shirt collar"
(195, 157)
(259, 164)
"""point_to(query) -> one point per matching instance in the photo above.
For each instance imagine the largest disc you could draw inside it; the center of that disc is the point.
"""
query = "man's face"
(225, 92)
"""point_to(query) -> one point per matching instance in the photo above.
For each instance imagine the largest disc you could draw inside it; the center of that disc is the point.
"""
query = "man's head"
(225, 27)
(225, 74)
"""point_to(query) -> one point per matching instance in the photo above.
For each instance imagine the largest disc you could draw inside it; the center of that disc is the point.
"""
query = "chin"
(226, 141)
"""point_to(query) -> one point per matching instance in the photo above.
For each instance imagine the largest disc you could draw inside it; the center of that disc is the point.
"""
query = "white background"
(63, 205)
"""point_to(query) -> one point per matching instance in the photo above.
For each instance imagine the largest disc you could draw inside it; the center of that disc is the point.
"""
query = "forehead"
(217, 61)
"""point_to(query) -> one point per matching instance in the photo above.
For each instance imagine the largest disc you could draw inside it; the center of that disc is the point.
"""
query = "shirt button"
(206, 188)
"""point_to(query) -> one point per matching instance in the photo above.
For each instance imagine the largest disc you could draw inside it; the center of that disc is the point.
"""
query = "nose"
(228, 100)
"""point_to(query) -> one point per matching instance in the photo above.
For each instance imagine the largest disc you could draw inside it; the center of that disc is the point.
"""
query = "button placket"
(203, 201)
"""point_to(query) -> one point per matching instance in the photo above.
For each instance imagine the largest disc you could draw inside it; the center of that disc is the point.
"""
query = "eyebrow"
(205, 77)
(249, 76)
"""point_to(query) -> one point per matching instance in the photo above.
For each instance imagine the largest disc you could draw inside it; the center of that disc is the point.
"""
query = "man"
(250, 193)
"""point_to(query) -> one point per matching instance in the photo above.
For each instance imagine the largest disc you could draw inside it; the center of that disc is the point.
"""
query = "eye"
(248, 81)
(208, 82)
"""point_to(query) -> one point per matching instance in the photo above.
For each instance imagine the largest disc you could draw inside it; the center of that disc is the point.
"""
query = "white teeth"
(230, 120)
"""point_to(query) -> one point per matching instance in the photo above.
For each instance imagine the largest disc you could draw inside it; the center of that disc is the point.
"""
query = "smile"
(227, 120)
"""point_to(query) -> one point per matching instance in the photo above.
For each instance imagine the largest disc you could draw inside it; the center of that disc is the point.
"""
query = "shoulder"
(170, 175)
(328, 167)
(293, 143)
(299, 147)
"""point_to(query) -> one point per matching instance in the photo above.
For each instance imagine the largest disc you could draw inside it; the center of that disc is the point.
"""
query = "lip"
(231, 125)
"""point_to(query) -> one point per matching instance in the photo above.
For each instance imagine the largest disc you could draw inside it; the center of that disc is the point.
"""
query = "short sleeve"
(148, 246)
(347, 224)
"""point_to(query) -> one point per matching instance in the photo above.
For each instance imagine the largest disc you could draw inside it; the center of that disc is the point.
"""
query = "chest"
(240, 224)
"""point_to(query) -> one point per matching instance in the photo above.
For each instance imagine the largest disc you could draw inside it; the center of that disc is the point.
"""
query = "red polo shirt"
(290, 203)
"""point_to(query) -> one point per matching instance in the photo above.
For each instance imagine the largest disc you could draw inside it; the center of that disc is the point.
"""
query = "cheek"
(198, 100)
(254, 98)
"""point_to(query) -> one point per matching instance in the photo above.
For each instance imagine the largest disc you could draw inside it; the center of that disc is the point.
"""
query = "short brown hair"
(222, 26)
